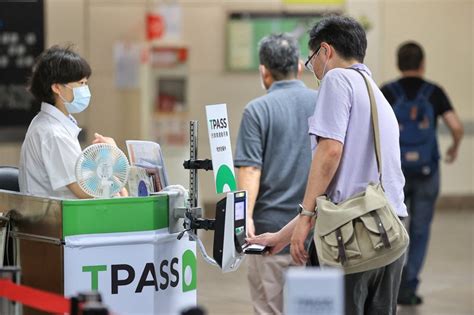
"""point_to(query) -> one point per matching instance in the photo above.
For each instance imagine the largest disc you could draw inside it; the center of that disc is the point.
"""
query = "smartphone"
(255, 249)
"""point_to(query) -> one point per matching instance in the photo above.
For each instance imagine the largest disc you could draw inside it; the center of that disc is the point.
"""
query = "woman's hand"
(273, 241)
(101, 139)
(122, 193)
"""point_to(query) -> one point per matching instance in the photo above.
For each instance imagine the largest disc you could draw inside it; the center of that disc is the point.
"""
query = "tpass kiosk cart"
(132, 250)
(120, 247)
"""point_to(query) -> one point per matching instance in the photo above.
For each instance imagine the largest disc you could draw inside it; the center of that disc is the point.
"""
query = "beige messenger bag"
(363, 232)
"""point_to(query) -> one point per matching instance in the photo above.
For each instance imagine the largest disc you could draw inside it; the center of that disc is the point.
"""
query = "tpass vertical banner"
(221, 151)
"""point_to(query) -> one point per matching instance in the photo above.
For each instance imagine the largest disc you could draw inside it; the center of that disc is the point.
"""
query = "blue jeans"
(421, 193)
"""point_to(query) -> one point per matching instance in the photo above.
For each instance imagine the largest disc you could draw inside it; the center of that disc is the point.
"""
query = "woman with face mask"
(51, 146)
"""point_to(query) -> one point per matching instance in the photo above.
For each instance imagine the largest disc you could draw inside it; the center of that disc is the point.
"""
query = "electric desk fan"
(102, 170)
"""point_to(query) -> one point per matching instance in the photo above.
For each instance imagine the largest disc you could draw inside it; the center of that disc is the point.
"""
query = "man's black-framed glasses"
(308, 65)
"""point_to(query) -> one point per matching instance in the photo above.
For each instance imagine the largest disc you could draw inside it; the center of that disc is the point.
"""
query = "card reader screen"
(239, 210)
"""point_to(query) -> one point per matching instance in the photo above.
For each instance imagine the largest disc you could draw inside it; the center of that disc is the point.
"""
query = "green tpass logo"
(157, 275)
(189, 271)
(224, 178)
(94, 270)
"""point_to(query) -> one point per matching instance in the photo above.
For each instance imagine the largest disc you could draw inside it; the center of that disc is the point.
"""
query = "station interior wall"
(444, 28)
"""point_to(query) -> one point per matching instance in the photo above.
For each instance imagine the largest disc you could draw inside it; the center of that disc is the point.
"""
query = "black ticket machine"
(230, 232)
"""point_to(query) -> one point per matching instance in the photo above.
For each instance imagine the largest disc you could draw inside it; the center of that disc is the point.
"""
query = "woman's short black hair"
(409, 56)
(344, 33)
(56, 65)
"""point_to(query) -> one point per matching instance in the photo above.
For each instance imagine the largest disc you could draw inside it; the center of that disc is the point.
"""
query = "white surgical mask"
(82, 97)
(262, 84)
(324, 73)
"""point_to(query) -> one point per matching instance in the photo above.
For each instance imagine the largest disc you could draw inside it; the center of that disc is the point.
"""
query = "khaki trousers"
(266, 275)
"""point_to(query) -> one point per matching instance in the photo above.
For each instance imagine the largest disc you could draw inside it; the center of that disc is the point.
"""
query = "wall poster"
(21, 41)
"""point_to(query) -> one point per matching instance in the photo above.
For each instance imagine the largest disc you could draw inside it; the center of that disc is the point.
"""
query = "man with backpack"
(417, 104)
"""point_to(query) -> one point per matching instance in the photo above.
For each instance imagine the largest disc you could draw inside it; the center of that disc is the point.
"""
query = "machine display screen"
(240, 210)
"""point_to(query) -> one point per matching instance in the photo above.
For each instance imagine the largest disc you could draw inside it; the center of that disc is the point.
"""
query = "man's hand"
(249, 180)
(300, 233)
(451, 154)
(274, 241)
(323, 167)
(457, 131)
(250, 228)
(101, 139)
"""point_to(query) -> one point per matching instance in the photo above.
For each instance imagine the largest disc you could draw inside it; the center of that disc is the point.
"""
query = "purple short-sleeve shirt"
(342, 113)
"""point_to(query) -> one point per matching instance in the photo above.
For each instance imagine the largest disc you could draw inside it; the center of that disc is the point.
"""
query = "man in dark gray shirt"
(274, 156)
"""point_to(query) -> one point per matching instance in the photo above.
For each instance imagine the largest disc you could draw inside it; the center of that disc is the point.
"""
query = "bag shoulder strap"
(375, 124)
(425, 91)
(397, 90)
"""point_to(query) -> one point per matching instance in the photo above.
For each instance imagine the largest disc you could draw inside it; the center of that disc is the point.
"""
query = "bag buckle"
(341, 249)
(382, 231)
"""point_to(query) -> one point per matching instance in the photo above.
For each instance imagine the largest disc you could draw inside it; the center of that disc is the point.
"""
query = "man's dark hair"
(56, 65)
(344, 33)
(280, 54)
(410, 55)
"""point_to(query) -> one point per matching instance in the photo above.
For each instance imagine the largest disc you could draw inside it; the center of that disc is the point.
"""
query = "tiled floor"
(447, 279)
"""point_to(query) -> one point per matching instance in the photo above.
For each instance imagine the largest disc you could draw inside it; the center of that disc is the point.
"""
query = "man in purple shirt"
(344, 160)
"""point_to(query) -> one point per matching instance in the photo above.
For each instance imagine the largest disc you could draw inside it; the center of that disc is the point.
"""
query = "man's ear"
(300, 69)
(422, 67)
(266, 74)
(263, 70)
(325, 50)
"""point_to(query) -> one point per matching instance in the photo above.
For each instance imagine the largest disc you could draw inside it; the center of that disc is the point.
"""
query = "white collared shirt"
(49, 153)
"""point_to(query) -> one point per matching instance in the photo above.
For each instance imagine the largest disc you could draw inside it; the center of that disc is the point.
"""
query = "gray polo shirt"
(273, 136)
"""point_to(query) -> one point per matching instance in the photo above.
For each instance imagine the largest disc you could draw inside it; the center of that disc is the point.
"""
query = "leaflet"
(148, 155)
